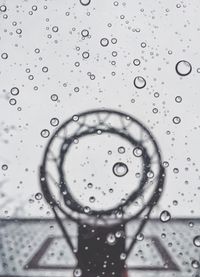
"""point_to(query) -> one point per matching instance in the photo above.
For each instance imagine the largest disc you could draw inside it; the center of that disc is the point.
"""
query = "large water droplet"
(196, 241)
(195, 264)
(120, 169)
(183, 68)
(139, 82)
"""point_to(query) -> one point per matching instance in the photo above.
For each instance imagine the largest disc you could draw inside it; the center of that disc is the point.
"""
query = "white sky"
(162, 25)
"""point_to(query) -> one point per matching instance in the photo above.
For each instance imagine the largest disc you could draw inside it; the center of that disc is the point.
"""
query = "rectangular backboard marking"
(34, 263)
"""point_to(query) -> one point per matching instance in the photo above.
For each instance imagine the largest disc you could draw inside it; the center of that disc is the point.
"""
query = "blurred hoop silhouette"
(140, 198)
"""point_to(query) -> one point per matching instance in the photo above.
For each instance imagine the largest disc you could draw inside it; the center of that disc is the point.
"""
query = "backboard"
(36, 248)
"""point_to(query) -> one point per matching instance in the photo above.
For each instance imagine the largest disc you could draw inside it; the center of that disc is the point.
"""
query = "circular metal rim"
(160, 182)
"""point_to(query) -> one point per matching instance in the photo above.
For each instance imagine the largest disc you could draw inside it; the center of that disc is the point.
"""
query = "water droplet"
(45, 69)
(45, 133)
(77, 272)
(176, 170)
(111, 239)
(38, 196)
(165, 216)
(85, 33)
(4, 56)
(104, 42)
(195, 264)
(136, 62)
(120, 169)
(54, 121)
(12, 101)
(140, 237)
(176, 120)
(178, 99)
(4, 167)
(139, 82)
(90, 185)
(196, 241)
(137, 152)
(86, 209)
(3, 8)
(150, 174)
(92, 199)
(183, 68)
(85, 55)
(85, 2)
(122, 256)
(121, 150)
(55, 29)
(54, 97)
(14, 91)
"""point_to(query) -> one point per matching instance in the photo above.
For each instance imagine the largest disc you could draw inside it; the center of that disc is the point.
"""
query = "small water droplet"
(165, 216)
(4, 167)
(111, 239)
(45, 133)
(38, 196)
(77, 272)
(121, 150)
(137, 152)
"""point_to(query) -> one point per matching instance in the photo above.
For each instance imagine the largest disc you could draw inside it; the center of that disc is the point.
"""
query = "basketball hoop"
(137, 179)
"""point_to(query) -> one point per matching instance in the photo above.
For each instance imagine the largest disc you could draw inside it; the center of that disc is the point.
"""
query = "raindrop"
(140, 237)
(150, 174)
(120, 169)
(122, 256)
(3, 8)
(136, 62)
(4, 56)
(104, 42)
(54, 121)
(195, 264)
(45, 69)
(85, 2)
(165, 216)
(111, 239)
(14, 91)
(121, 150)
(85, 33)
(183, 68)
(85, 55)
(54, 97)
(77, 272)
(92, 199)
(139, 82)
(196, 241)
(137, 152)
(38, 196)
(55, 29)
(90, 185)
(4, 167)
(86, 209)
(176, 120)
(45, 133)
(12, 101)
(178, 99)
